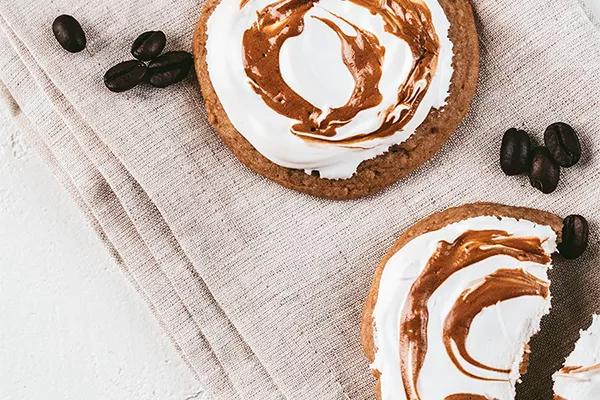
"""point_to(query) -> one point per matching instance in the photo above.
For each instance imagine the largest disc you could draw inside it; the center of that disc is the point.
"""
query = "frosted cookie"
(336, 98)
(455, 302)
(580, 377)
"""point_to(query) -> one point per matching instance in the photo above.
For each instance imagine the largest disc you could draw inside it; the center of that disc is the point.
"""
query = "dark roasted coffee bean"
(149, 45)
(563, 143)
(170, 68)
(125, 75)
(515, 154)
(545, 172)
(574, 237)
(69, 33)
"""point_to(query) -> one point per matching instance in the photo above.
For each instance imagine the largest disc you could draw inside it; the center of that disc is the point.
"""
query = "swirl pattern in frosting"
(397, 65)
(466, 299)
(408, 20)
(502, 285)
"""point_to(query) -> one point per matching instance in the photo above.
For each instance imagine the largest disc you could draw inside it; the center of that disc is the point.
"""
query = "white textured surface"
(594, 6)
(71, 325)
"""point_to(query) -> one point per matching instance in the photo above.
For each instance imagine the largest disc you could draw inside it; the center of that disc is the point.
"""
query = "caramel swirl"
(579, 369)
(469, 248)
(502, 285)
(363, 55)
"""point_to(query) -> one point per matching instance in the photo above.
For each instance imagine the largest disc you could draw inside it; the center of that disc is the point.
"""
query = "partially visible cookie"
(456, 300)
(333, 123)
(579, 379)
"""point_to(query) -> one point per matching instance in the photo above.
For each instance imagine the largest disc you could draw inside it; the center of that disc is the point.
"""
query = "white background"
(594, 6)
(71, 325)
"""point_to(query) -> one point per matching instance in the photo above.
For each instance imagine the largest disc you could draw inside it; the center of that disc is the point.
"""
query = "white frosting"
(497, 336)
(311, 64)
(582, 385)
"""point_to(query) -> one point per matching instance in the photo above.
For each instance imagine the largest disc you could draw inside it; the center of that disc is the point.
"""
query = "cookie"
(456, 300)
(579, 379)
(370, 102)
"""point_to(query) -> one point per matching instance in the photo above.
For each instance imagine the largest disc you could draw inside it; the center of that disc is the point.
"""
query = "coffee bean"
(515, 153)
(545, 172)
(563, 143)
(170, 68)
(574, 237)
(69, 33)
(149, 45)
(125, 75)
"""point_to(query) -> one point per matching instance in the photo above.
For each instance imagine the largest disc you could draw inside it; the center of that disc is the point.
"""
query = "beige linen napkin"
(261, 288)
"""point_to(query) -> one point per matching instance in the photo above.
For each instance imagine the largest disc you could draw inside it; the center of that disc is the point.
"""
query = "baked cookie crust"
(433, 223)
(375, 174)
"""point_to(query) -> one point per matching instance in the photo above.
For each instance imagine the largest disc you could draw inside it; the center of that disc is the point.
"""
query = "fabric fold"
(239, 361)
(195, 350)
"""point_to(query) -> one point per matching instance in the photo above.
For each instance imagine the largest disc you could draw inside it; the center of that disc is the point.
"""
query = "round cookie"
(374, 174)
(435, 222)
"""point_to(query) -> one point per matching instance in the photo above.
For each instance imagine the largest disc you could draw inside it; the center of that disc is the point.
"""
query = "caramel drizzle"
(409, 20)
(502, 285)
(469, 248)
(579, 369)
